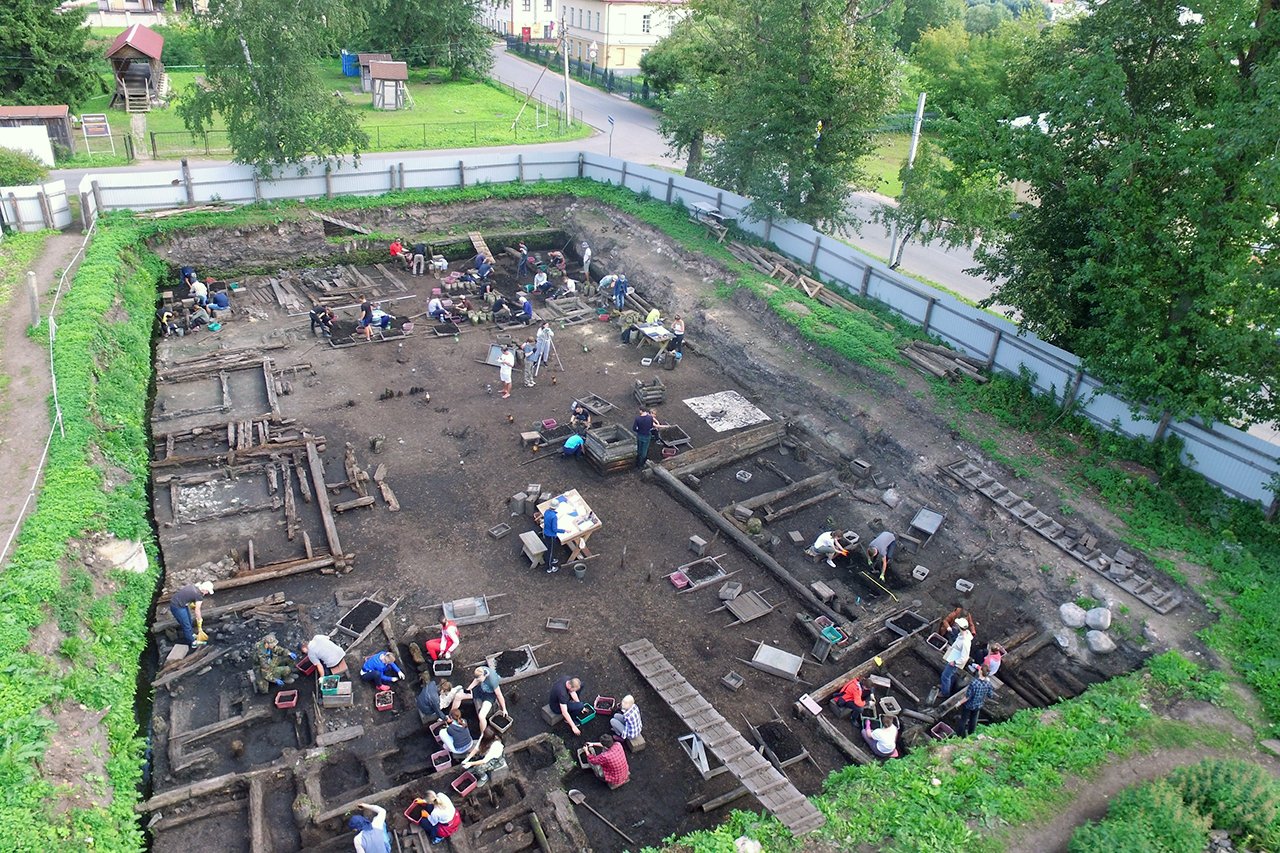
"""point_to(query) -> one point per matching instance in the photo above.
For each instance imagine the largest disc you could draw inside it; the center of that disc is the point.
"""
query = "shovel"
(580, 799)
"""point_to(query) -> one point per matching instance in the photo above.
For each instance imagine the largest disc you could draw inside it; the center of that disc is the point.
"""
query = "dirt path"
(24, 384)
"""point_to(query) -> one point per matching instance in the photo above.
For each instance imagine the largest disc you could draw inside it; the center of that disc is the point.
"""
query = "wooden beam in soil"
(212, 810)
(322, 498)
(843, 743)
(255, 713)
(726, 452)
(188, 665)
(804, 504)
(784, 492)
(743, 541)
(216, 785)
(826, 691)
(259, 836)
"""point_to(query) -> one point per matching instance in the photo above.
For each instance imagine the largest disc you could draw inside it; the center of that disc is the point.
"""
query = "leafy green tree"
(789, 123)
(941, 203)
(261, 78)
(45, 60)
(437, 33)
(955, 66)
(986, 17)
(1148, 243)
(921, 15)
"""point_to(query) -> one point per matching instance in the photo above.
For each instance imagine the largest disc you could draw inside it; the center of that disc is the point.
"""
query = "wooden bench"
(534, 548)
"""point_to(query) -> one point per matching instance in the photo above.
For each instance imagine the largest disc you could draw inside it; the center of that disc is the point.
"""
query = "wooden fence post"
(45, 212)
(17, 211)
(671, 185)
(97, 199)
(84, 210)
(328, 181)
(582, 162)
(995, 345)
(186, 179)
(257, 188)
(768, 227)
(624, 173)
(928, 313)
(462, 175)
(813, 259)
(400, 172)
(520, 168)
(866, 280)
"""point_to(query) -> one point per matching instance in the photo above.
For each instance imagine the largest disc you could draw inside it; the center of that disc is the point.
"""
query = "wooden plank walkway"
(773, 790)
(478, 242)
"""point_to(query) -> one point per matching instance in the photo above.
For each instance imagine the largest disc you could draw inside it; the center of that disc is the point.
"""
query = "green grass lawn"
(884, 164)
(443, 115)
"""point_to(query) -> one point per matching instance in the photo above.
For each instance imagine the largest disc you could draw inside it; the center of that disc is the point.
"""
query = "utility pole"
(564, 39)
(895, 250)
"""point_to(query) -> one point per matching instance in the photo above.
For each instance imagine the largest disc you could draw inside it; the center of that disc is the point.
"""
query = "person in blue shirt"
(371, 835)
(382, 669)
(551, 537)
(526, 309)
(573, 445)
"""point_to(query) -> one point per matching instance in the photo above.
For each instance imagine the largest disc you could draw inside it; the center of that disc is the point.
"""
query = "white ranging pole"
(915, 130)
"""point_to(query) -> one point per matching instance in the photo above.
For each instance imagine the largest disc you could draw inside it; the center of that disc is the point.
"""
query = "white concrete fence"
(1241, 464)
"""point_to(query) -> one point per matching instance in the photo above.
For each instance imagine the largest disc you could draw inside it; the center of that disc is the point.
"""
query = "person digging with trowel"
(827, 545)
(184, 605)
(272, 664)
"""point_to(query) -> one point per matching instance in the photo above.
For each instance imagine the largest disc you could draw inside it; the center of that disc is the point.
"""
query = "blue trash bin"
(350, 64)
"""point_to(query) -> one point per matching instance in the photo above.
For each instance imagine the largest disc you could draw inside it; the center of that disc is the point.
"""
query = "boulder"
(1073, 615)
(1099, 618)
(1100, 643)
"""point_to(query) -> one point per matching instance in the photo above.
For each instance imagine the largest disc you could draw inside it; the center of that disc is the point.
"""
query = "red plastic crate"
(306, 667)
(286, 698)
(464, 784)
(604, 704)
(415, 806)
(384, 700)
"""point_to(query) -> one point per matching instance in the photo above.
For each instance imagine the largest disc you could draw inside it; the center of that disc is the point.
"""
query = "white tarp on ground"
(726, 410)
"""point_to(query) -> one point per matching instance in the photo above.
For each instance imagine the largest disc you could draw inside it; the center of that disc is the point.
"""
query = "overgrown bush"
(1150, 818)
(1237, 796)
(182, 46)
(18, 168)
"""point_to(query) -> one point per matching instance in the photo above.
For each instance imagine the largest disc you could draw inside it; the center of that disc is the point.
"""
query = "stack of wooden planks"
(943, 363)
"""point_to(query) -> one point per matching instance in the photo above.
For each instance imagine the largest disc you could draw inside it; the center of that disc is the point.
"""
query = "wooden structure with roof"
(390, 82)
(366, 76)
(56, 120)
(135, 63)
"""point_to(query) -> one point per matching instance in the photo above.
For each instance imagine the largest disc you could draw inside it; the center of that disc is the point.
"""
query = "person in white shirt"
(884, 740)
(826, 545)
(444, 819)
(371, 835)
(586, 261)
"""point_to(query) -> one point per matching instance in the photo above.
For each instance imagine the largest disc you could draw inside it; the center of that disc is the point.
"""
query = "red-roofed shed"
(135, 60)
(55, 120)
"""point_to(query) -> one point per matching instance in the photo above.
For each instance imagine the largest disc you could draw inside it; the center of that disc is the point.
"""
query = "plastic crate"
(384, 700)
(329, 685)
(441, 760)
(679, 580)
(586, 715)
(941, 731)
(305, 666)
(286, 698)
(464, 784)
(416, 807)
(604, 704)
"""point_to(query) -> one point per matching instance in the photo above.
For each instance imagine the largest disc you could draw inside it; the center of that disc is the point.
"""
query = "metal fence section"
(632, 87)
(35, 207)
(1237, 462)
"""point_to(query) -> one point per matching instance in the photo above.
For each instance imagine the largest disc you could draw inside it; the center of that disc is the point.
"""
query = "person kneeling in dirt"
(609, 761)
(880, 551)
(381, 669)
(850, 696)
(434, 698)
(573, 445)
(827, 545)
(884, 740)
(501, 310)
(580, 418)
(272, 664)
(167, 326)
(198, 317)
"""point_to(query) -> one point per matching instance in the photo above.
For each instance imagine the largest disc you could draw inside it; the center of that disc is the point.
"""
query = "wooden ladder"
(136, 101)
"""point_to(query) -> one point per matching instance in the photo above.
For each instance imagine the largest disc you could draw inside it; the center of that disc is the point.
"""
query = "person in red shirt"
(398, 253)
(610, 761)
(850, 696)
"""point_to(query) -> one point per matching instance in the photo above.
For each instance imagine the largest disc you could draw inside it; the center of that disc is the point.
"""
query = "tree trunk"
(1163, 425)
(693, 165)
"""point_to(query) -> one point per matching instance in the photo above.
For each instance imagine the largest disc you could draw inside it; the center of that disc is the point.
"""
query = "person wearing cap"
(185, 604)
(329, 657)
(371, 835)
(948, 627)
(957, 655)
(586, 262)
(880, 551)
(272, 664)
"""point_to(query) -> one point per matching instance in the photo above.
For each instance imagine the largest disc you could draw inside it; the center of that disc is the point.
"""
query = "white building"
(528, 19)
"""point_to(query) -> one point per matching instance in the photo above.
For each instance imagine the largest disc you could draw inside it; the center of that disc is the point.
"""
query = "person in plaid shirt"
(610, 761)
(978, 691)
(627, 724)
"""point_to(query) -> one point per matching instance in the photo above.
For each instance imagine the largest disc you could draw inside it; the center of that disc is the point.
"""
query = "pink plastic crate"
(384, 700)
(678, 580)
(441, 760)
(668, 452)
(549, 423)
(464, 784)
(286, 698)
(941, 731)
(306, 667)
(604, 704)
(418, 806)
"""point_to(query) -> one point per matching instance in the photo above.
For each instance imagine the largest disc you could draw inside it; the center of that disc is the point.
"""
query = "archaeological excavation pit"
(347, 488)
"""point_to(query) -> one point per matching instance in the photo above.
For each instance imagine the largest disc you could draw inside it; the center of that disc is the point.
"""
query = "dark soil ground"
(455, 461)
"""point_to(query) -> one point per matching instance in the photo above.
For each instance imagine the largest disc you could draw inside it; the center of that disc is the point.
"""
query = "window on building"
(546, 7)
(597, 20)
(579, 17)
(527, 5)
(644, 23)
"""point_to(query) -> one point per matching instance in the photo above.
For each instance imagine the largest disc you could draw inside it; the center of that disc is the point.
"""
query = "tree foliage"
(261, 78)
(955, 66)
(436, 33)
(1147, 246)
(941, 203)
(780, 106)
(45, 60)
(19, 168)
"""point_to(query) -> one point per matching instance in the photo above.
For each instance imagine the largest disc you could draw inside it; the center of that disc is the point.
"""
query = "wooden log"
(190, 792)
(389, 496)
(256, 713)
(169, 822)
(844, 744)
(902, 688)
(1023, 653)
(950, 353)
(746, 446)
(322, 498)
(826, 691)
(290, 508)
(259, 836)
(724, 799)
(743, 541)
(924, 364)
(916, 715)
(1072, 683)
(804, 504)
(188, 665)
(367, 500)
(273, 571)
(304, 485)
(1033, 700)
(784, 492)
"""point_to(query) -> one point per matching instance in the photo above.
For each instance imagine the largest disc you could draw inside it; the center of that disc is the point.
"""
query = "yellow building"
(622, 31)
